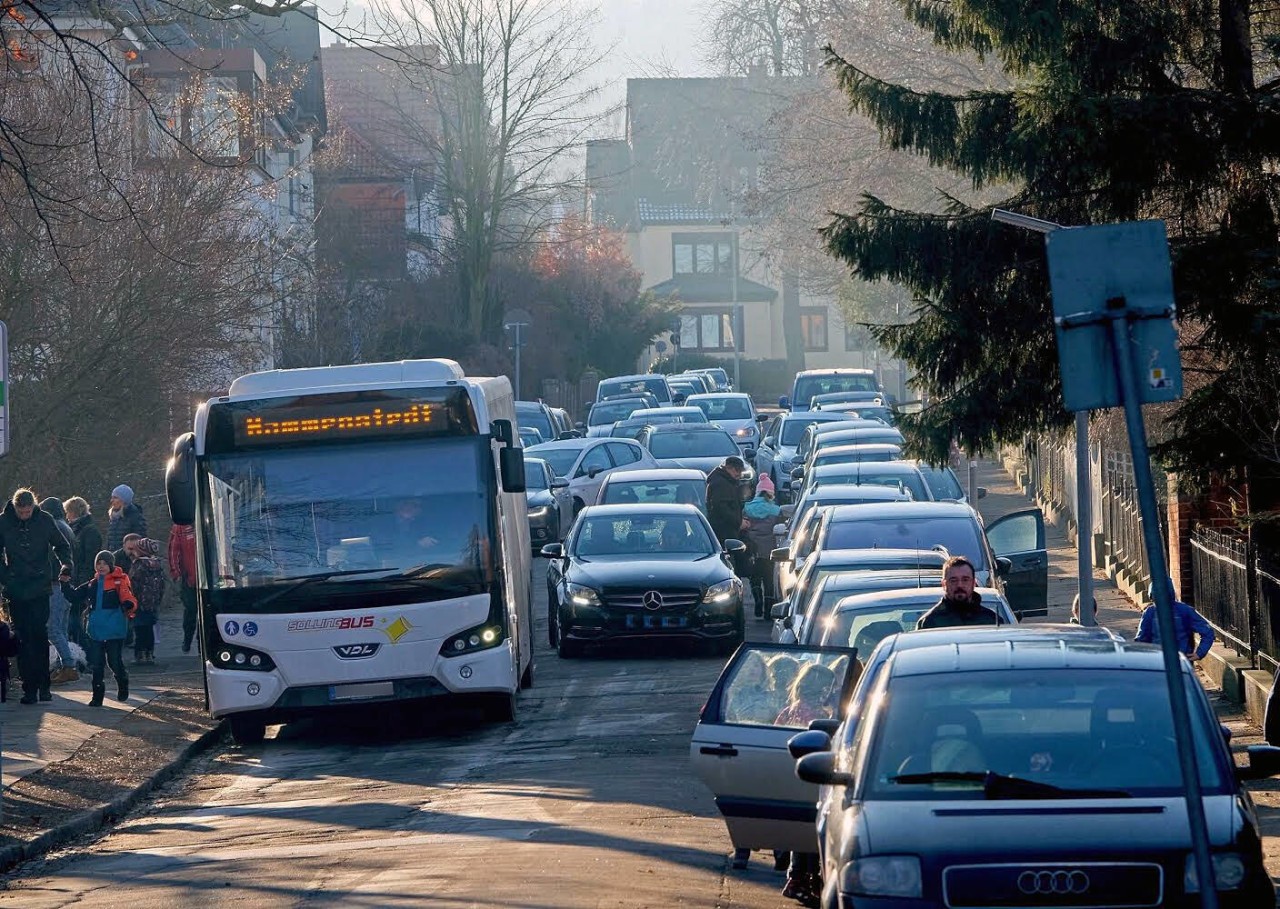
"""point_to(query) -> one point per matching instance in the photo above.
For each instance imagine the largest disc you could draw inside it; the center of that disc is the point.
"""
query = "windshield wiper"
(996, 786)
(306, 579)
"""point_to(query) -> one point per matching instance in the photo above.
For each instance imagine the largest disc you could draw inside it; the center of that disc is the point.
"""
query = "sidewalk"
(68, 767)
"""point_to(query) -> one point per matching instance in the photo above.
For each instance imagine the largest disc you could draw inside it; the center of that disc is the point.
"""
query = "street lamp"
(1084, 483)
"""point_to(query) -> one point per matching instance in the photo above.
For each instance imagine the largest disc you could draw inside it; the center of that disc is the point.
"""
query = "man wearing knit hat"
(125, 517)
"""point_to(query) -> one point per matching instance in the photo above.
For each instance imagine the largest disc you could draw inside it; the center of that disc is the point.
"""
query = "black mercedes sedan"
(643, 571)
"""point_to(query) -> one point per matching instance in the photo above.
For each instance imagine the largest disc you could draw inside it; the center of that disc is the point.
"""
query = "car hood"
(661, 573)
(539, 497)
(1020, 829)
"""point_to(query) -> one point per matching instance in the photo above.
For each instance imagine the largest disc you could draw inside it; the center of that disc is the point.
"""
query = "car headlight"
(745, 432)
(1229, 872)
(583, 596)
(720, 593)
(540, 512)
(882, 875)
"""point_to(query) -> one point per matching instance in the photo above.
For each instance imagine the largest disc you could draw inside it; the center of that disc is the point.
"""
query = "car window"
(958, 536)
(667, 492)
(560, 459)
(868, 627)
(771, 431)
(807, 387)
(724, 408)
(596, 457)
(1017, 534)
(793, 430)
(691, 444)
(535, 476)
(942, 483)
(784, 689)
(612, 411)
(612, 535)
(623, 454)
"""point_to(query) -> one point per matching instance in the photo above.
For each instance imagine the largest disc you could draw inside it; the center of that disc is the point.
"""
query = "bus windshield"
(410, 510)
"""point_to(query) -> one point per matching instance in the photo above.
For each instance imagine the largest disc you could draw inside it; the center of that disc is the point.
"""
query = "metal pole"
(738, 322)
(519, 326)
(1185, 741)
(1084, 519)
(973, 482)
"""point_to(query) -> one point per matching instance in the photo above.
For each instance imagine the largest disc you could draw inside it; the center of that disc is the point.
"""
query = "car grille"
(1080, 886)
(672, 600)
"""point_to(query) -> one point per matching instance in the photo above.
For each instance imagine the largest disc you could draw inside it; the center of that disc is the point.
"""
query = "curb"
(96, 818)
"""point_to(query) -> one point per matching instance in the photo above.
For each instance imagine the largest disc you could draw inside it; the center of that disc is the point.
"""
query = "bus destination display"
(340, 421)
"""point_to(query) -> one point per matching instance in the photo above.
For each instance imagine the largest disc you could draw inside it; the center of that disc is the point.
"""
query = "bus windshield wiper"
(304, 580)
(996, 786)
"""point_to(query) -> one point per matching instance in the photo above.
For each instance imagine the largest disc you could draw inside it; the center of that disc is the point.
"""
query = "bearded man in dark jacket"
(961, 603)
(724, 498)
(27, 537)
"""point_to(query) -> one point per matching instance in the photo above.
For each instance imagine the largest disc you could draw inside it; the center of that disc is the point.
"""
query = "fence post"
(1251, 585)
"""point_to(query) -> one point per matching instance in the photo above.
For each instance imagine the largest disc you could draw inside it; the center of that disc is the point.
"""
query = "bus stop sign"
(1101, 273)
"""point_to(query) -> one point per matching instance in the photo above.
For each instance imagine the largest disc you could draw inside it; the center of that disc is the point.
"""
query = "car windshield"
(822, 603)
(655, 385)
(724, 408)
(561, 459)
(533, 416)
(656, 492)
(295, 513)
(626, 430)
(809, 386)
(793, 430)
(1079, 729)
(678, 535)
(942, 483)
(535, 477)
(694, 444)
(958, 536)
(612, 411)
(872, 624)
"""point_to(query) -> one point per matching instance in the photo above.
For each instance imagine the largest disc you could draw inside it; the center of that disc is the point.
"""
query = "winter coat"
(1186, 621)
(724, 504)
(761, 515)
(53, 505)
(950, 614)
(110, 602)
(124, 522)
(25, 571)
(86, 543)
(182, 554)
(146, 577)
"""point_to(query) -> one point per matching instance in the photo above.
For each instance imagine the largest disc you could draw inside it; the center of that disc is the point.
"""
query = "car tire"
(553, 618)
(247, 730)
(566, 648)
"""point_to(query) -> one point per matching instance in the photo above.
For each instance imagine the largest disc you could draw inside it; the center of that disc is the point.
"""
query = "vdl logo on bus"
(356, 651)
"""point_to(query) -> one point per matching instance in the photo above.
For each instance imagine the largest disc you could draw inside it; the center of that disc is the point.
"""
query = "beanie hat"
(765, 485)
(123, 493)
(105, 556)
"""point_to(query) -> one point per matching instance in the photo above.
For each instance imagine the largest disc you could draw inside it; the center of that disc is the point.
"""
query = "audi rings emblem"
(1059, 883)
(652, 600)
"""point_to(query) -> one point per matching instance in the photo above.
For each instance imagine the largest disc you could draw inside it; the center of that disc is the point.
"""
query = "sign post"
(1113, 315)
(517, 322)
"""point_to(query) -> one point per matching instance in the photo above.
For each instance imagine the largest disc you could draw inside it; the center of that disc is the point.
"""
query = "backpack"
(146, 576)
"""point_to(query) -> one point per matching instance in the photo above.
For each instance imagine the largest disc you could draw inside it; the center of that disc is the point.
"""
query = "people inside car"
(783, 669)
(961, 604)
(808, 697)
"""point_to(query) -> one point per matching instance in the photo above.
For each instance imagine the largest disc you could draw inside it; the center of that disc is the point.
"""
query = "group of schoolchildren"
(62, 584)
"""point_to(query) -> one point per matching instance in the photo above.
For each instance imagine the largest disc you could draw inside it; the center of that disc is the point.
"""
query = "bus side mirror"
(511, 469)
(180, 480)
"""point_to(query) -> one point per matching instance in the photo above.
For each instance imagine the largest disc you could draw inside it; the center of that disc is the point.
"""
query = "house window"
(706, 329)
(813, 326)
(702, 254)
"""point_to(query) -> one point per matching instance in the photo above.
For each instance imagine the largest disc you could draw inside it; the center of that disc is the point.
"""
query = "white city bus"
(361, 537)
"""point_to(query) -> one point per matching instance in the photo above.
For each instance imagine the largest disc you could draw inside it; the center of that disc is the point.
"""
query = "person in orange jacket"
(111, 603)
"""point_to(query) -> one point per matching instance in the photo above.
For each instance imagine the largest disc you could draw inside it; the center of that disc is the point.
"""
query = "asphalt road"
(588, 800)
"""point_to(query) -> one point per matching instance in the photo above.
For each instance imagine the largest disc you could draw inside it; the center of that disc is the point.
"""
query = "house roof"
(678, 213)
(714, 289)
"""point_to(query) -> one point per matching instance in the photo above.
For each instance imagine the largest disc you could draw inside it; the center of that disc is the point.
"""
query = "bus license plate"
(361, 690)
(657, 621)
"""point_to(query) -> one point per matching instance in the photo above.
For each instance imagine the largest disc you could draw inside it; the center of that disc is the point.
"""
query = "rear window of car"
(958, 536)
(655, 385)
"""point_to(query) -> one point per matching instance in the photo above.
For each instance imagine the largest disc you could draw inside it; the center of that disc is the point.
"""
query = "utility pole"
(739, 323)
(517, 322)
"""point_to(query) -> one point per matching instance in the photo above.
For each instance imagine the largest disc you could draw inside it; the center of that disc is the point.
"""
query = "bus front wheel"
(245, 730)
(500, 708)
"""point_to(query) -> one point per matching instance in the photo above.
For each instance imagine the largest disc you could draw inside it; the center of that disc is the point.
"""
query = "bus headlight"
(482, 637)
(230, 656)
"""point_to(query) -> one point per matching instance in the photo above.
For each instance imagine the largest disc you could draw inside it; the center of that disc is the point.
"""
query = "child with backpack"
(109, 603)
(146, 576)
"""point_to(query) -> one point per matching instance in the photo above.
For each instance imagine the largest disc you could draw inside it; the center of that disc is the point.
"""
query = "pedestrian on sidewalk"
(110, 602)
(146, 578)
(182, 568)
(1187, 622)
(124, 517)
(1075, 611)
(59, 608)
(961, 604)
(86, 543)
(124, 557)
(761, 515)
(27, 537)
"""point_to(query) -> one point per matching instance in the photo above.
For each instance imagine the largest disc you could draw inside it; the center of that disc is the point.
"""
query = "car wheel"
(566, 648)
(246, 730)
(553, 619)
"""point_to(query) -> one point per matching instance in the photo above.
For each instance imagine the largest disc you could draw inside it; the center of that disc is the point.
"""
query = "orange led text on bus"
(414, 415)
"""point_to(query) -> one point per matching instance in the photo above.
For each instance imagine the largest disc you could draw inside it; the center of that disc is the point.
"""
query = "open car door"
(1019, 537)
(739, 747)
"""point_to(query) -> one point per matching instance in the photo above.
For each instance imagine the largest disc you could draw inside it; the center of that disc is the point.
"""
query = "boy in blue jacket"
(111, 604)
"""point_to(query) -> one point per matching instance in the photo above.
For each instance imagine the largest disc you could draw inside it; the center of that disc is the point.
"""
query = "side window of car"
(771, 432)
(622, 453)
(596, 457)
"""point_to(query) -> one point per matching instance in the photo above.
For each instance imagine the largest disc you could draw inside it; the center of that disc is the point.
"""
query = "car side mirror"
(1003, 566)
(748, 454)
(779, 530)
(820, 768)
(787, 511)
(811, 741)
(778, 611)
(511, 468)
(982, 492)
(780, 555)
(797, 473)
(594, 472)
(552, 551)
(580, 426)
(734, 547)
(559, 483)
(762, 418)
(1264, 763)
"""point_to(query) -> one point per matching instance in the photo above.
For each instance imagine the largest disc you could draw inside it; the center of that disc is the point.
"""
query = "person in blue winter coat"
(111, 603)
(1188, 622)
(761, 514)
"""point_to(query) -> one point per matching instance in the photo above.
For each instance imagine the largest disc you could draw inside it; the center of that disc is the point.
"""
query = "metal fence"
(1237, 589)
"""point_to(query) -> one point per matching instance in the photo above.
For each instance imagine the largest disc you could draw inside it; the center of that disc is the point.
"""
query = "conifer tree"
(1117, 110)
